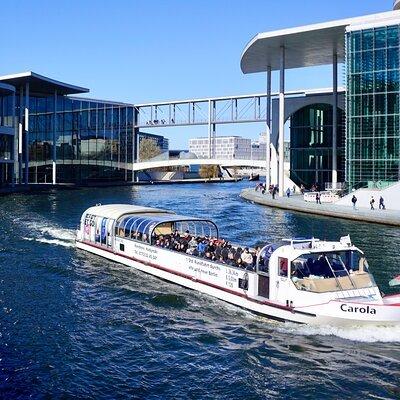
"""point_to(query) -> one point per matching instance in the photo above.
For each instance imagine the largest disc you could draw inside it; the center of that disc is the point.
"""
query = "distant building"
(224, 147)
(259, 148)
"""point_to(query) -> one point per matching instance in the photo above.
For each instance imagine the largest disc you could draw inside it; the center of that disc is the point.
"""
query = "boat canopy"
(116, 211)
(163, 224)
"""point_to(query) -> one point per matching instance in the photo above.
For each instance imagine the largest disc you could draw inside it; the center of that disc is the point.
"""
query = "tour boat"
(301, 280)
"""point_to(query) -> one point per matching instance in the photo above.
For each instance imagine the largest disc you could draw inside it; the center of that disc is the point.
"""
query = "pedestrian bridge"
(140, 166)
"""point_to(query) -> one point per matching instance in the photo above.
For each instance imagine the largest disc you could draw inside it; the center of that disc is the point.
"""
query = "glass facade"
(373, 90)
(311, 145)
(91, 140)
(7, 133)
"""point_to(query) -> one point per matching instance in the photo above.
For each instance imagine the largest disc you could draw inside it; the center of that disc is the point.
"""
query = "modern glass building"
(373, 106)
(368, 47)
(311, 145)
(92, 140)
(48, 135)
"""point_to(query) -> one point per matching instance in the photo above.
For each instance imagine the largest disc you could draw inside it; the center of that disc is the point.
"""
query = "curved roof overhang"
(6, 89)
(305, 46)
(41, 84)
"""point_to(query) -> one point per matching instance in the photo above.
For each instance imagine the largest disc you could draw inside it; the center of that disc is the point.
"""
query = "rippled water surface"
(76, 325)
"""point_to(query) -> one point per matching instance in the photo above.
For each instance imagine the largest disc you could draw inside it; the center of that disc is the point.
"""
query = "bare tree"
(148, 149)
(209, 171)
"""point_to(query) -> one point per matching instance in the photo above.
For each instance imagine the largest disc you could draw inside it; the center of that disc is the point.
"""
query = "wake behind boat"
(304, 280)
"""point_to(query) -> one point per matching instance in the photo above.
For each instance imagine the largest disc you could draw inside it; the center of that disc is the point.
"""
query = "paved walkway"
(296, 203)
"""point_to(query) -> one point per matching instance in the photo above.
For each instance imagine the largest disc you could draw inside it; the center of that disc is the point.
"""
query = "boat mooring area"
(297, 203)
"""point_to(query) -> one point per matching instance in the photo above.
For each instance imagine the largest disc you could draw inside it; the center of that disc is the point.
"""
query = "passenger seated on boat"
(255, 255)
(246, 257)
(231, 258)
(325, 269)
(211, 246)
(225, 252)
(239, 263)
(202, 247)
(193, 242)
(187, 236)
(183, 247)
(310, 265)
(238, 253)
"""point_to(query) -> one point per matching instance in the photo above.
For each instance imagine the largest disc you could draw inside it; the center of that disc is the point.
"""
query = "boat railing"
(301, 241)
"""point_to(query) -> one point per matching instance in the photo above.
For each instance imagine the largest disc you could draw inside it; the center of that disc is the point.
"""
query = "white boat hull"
(222, 284)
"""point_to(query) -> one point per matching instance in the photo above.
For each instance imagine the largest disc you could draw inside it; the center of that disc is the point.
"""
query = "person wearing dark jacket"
(354, 201)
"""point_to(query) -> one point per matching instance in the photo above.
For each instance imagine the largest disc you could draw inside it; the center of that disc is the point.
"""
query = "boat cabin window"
(331, 271)
(283, 266)
(263, 258)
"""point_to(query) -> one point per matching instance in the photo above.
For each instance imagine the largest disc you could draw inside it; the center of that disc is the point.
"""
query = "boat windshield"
(331, 271)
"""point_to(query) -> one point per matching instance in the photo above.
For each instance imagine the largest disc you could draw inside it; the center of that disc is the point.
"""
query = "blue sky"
(140, 51)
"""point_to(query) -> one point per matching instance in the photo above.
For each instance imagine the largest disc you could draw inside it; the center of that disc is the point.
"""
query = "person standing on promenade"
(371, 203)
(382, 203)
(302, 188)
(354, 201)
(318, 198)
(288, 192)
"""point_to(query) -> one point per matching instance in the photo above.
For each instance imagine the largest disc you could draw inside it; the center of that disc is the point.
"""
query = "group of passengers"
(210, 248)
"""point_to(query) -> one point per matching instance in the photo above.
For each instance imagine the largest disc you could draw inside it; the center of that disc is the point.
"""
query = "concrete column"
(14, 144)
(209, 129)
(334, 122)
(135, 141)
(20, 132)
(54, 148)
(268, 130)
(281, 122)
(214, 131)
(26, 116)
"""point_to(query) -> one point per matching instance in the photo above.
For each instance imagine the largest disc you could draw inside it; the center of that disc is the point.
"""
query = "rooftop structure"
(305, 46)
(41, 84)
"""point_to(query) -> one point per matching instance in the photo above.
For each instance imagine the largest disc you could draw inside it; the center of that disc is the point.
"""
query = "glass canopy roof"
(131, 225)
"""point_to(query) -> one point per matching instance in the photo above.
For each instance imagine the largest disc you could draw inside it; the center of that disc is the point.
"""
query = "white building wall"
(226, 147)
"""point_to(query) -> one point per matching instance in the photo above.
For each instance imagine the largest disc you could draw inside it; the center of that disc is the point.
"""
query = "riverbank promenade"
(296, 203)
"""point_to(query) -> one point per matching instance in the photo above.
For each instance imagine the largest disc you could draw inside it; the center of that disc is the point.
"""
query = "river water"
(76, 325)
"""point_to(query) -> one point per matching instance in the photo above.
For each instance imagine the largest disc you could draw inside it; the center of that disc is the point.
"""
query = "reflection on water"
(73, 324)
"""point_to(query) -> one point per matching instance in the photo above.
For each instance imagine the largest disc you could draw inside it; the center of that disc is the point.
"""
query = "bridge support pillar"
(268, 131)
(54, 148)
(281, 167)
(135, 140)
(212, 128)
(334, 122)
